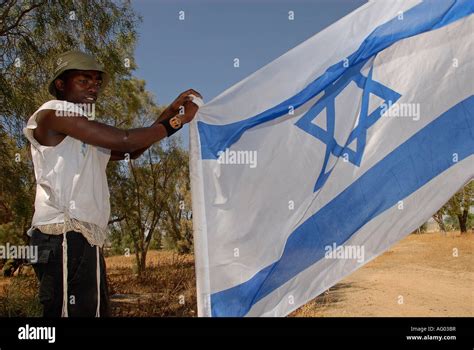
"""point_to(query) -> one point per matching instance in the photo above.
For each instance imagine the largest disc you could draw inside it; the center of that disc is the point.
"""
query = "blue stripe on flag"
(428, 15)
(418, 160)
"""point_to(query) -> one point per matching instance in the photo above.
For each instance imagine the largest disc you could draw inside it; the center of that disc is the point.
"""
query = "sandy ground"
(419, 276)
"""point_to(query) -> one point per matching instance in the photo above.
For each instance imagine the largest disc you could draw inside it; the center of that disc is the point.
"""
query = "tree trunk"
(142, 263)
(137, 257)
(463, 221)
(439, 220)
(144, 254)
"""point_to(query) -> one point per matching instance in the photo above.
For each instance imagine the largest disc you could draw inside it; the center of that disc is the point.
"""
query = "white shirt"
(71, 184)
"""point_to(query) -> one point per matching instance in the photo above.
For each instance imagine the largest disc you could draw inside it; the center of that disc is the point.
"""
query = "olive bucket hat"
(75, 60)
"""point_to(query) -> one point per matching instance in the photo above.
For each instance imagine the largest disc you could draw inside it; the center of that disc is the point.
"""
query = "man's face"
(80, 86)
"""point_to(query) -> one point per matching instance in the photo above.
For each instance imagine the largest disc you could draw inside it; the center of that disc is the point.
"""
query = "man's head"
(78, 78)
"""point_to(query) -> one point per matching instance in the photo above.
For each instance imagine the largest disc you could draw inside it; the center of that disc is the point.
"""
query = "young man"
(70, 152)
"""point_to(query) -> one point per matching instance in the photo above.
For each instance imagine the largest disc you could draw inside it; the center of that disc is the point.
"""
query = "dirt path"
(419, 276)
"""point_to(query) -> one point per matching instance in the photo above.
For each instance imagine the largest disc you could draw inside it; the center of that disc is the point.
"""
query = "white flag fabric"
(318, 162)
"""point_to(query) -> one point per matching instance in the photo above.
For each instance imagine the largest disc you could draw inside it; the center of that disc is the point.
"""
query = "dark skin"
(84, 87)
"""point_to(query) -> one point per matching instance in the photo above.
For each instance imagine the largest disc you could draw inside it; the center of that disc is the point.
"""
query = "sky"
(199, 52)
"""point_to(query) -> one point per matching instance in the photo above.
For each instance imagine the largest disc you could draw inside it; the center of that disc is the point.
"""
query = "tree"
(455, 213)
(178, 224)
(458, 206)
(439, 218)
(16, 185)
(16, 197)
(142, 190)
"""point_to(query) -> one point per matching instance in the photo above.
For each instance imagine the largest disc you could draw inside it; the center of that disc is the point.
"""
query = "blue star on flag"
(359, 133)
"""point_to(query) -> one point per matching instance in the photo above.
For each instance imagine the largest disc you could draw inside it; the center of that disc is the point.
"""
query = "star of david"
(365, 121)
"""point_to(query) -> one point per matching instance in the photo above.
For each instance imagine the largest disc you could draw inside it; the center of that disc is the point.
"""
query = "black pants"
(82, 275)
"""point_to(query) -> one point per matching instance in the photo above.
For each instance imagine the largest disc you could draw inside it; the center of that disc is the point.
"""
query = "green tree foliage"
(458, 207)
(455, 213)
(143, 191)
(178, 224)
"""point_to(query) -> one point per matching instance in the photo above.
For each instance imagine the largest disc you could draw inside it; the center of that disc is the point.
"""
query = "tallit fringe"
(94, 234)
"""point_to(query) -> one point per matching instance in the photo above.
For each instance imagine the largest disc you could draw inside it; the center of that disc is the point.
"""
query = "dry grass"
(167, 288)
(19, 295)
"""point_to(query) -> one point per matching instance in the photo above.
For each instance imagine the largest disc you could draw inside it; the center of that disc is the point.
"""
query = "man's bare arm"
(120, 142)
(102, 135)
(116, 155)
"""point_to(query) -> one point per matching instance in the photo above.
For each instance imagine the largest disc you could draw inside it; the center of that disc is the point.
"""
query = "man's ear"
(59, 85)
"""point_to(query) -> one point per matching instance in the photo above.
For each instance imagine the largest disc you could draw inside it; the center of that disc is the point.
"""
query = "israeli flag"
(320, 161)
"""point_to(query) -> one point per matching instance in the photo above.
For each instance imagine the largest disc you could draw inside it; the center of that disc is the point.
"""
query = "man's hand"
(182, 99)
(190, 110)
(185, 100)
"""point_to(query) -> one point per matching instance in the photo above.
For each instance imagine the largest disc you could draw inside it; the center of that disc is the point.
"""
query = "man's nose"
(93, 88)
